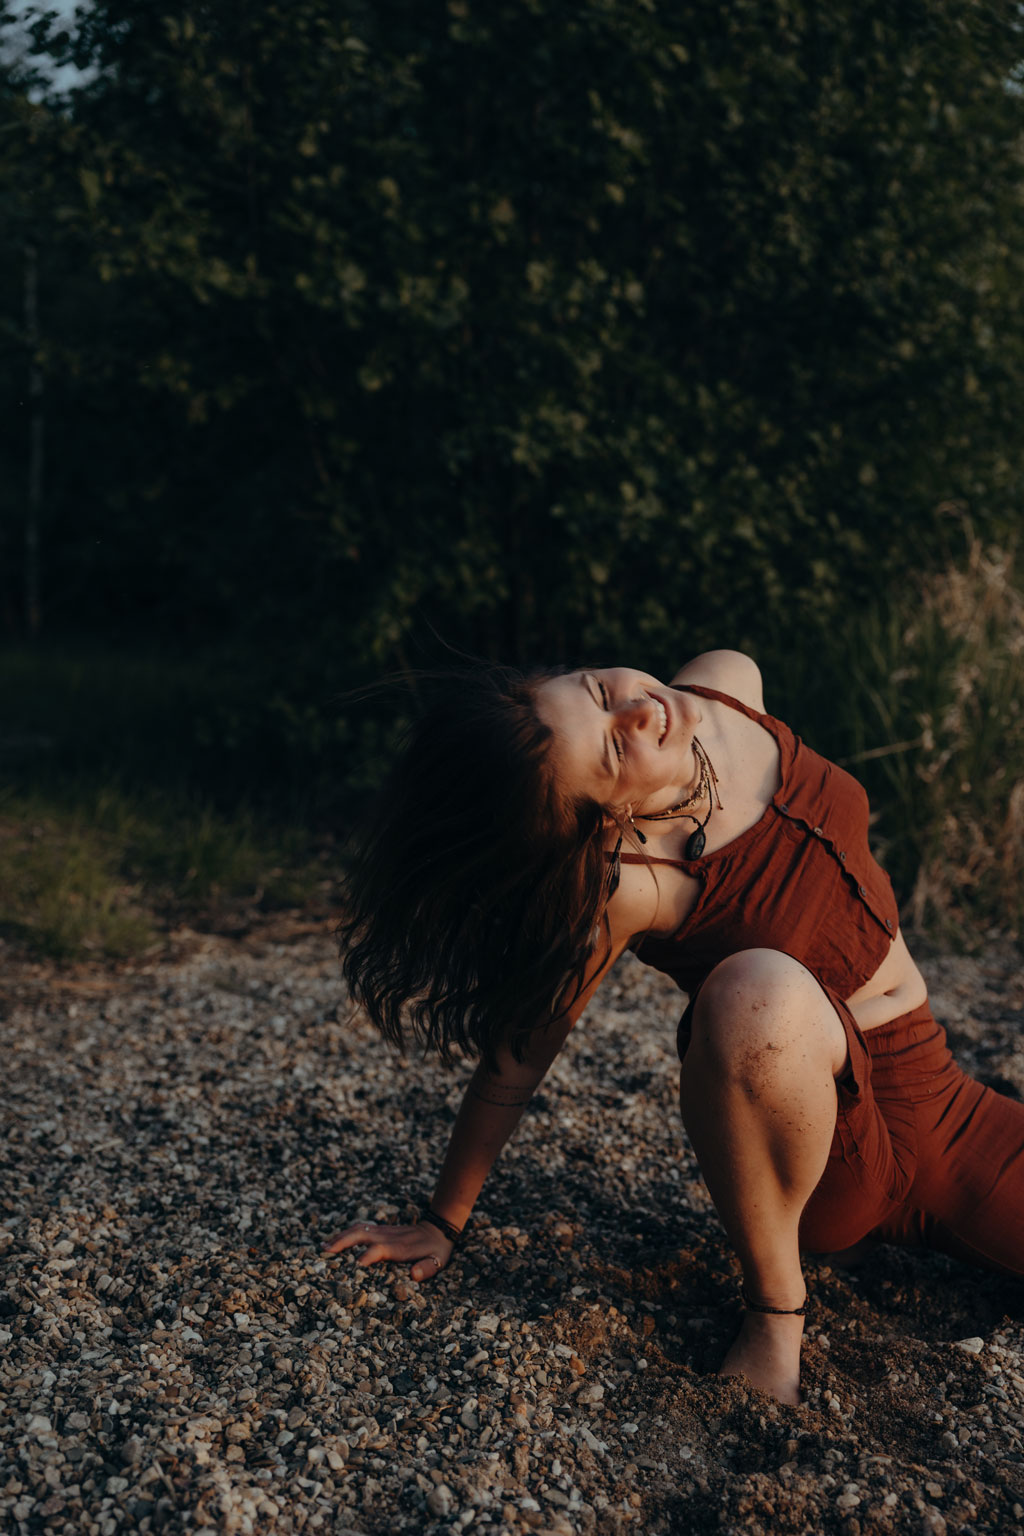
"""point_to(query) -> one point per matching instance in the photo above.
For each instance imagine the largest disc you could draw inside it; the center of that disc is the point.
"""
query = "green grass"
(62, 893)
(135, 791)
(104, 874)
(924, 700)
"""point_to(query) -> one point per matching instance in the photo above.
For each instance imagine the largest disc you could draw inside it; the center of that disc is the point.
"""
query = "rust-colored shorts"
(922, 1155)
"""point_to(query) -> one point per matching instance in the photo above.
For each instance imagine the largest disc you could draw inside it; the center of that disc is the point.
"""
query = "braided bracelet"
(444, 1227)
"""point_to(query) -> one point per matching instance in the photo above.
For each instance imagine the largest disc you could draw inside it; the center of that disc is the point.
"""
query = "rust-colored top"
(801, 880)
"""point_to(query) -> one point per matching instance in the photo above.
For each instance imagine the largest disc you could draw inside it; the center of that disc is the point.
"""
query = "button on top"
(817, 831)
(842, 855)
(783, 806)
(861, 891)
(888, 922)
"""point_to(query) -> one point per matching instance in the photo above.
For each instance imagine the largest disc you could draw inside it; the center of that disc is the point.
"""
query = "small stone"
(131, 1451)
(593, 1392)
(239, 1431)
(234, 1453)
(296, 1417)
(489, 1322)
(165, 1508)
(932, 1523)
(973, 1345)
(440, 1501)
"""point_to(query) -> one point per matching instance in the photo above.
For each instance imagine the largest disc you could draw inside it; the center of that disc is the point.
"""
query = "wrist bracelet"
(444, 1227)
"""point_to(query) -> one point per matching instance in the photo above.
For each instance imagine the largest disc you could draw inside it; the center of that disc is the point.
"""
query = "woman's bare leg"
(758, 1098)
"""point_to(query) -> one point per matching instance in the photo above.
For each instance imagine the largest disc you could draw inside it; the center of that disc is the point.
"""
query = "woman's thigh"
(871, 1162)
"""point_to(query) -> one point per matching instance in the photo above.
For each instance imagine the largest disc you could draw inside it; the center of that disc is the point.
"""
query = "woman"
(538, 827)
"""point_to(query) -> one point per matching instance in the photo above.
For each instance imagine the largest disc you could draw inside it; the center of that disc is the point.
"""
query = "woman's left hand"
(420, 1242)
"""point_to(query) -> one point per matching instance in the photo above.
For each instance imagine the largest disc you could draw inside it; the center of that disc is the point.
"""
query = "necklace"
(707, 784)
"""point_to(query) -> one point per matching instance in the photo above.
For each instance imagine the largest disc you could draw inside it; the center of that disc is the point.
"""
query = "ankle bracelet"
(758, 1306)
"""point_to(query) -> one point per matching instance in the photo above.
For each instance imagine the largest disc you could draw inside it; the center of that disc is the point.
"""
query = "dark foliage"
(607, 328)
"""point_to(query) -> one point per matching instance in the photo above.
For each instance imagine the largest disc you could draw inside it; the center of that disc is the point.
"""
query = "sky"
(64, 78)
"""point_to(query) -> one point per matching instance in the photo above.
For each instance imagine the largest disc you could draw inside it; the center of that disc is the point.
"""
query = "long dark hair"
(477, 887)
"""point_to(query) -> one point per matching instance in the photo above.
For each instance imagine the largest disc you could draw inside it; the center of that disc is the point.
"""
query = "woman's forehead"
(556, 696)
(569, 705)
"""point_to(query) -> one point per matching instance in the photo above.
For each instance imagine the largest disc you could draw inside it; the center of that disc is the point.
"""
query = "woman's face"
(621, 737)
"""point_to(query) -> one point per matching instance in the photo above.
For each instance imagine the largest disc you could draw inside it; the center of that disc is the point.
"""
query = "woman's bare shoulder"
(731, 672)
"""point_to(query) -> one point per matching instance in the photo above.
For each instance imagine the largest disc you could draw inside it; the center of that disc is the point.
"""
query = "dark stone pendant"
(695, 844)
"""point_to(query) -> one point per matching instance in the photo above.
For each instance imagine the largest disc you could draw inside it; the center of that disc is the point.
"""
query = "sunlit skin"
(757, 1089)
(623, 739)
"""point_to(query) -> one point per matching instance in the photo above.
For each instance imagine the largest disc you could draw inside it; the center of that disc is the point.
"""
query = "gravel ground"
(177, 1141)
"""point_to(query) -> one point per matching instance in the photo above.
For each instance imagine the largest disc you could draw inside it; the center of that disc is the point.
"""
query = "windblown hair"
(477, 889)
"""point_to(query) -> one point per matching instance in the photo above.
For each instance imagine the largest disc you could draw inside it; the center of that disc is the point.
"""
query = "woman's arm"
(492, 1107)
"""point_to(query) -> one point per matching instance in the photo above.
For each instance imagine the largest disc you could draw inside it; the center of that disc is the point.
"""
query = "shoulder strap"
(640, 858)
(704, 692)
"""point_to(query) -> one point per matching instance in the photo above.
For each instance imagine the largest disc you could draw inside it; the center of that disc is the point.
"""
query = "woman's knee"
(763, 1001)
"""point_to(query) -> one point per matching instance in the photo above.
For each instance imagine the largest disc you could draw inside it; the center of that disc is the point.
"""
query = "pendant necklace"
(707, 784)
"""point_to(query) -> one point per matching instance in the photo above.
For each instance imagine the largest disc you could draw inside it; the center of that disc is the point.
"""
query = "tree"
(576, 330)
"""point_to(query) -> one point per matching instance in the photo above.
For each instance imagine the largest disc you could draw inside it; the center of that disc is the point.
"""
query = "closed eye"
(604, 700)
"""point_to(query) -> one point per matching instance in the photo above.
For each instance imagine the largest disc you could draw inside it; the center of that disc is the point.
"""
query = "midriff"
(895, 988)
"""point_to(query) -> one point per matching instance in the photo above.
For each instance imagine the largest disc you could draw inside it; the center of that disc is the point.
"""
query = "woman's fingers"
(350, 1238)
(426, 1269)
(429, 1248)
(373, 1254)
(367, 1232)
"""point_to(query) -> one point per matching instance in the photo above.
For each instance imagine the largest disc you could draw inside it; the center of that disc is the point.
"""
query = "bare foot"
(767, 1352)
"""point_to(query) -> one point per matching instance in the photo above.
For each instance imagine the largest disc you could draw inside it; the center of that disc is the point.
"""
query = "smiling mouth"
(662, 719)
